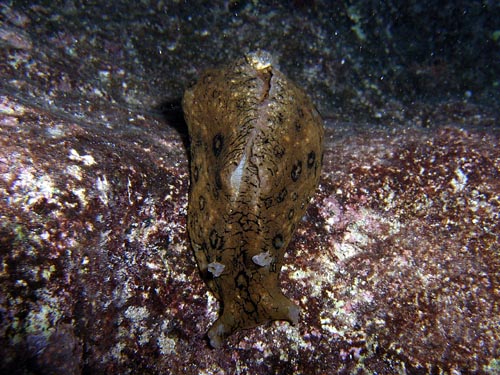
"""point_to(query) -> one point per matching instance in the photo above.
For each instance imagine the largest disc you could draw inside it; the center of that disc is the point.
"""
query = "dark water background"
(373, 61)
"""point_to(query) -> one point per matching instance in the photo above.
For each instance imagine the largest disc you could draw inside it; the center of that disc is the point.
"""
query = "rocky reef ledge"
(395, 266)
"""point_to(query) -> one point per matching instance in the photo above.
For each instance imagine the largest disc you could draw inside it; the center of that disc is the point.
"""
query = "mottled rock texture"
(359, 60)
(396, 265)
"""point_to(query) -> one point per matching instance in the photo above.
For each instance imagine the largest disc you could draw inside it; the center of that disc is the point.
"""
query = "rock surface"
(396, 265)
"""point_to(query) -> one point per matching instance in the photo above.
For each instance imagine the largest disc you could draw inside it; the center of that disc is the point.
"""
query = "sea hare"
(256, 147)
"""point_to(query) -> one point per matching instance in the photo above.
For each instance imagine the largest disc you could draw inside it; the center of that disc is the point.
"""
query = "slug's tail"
(278, 307)
(218, 332)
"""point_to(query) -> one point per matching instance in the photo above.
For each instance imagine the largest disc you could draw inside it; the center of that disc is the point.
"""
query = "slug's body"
(256, 148)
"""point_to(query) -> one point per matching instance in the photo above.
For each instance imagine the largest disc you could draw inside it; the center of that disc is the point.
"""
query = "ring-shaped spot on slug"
(291, 213)
(311, 158)
(218, 181)
(278, 241)
(279, 117)
(202, 202)
(215, 193)
(279, 151)
(268, 202)
(281, 195)
(207, 79)
(298, 126)
(215, 240)
(303, 204)
(196, 174)
(296, 170)
(217, 144)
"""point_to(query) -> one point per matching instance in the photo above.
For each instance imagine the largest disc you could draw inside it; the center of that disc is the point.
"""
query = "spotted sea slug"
(256, 145)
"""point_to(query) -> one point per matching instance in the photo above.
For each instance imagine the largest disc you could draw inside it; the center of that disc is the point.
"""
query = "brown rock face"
(395, 265)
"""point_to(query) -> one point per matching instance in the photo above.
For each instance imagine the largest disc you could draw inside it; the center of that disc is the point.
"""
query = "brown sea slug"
(256, 148)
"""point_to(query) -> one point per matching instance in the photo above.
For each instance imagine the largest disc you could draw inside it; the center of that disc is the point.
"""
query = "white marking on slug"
(215, 268)
(238, 174)
(263, 259)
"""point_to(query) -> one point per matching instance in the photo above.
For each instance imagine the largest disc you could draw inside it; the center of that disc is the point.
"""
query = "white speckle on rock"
(16, 38)
(459, 183)
(55, 131)
(21, 283)
(74, 171)
(7, 107)
(87, 160)
(81, 194)
(137, 313)
(102, 185)
(345, 250)
(153, 266)
(45, 315)
(30, 189)
(166, 344)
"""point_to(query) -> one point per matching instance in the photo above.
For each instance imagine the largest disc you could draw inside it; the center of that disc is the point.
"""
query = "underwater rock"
(395, 265)
(397, 261)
